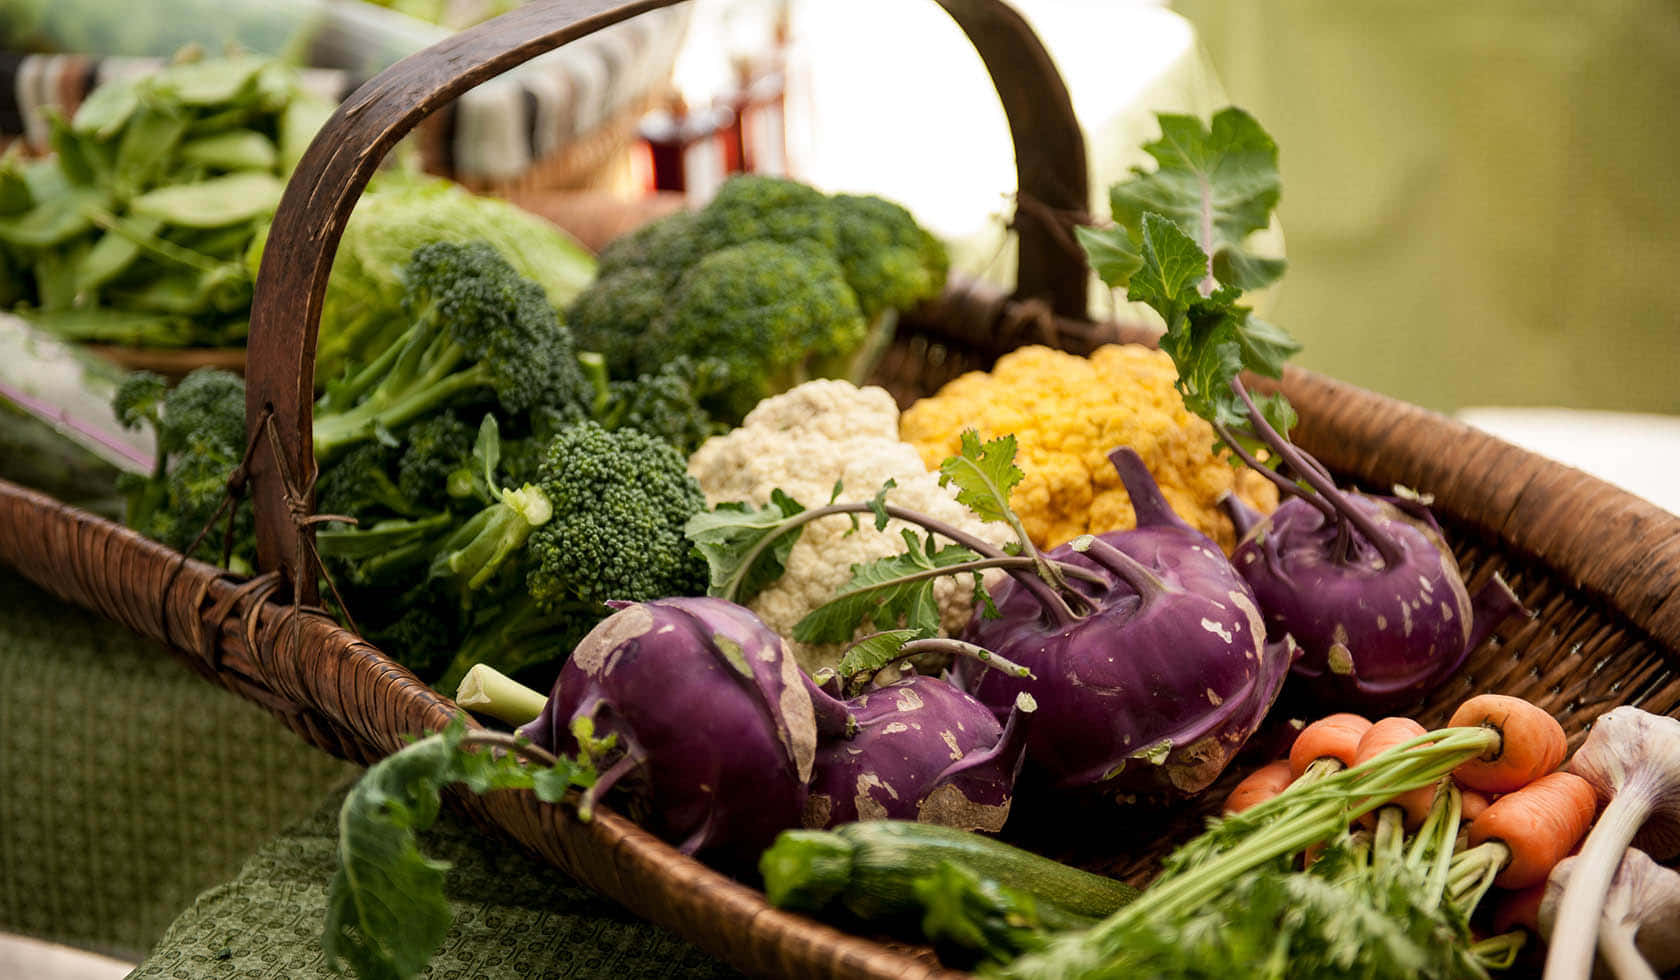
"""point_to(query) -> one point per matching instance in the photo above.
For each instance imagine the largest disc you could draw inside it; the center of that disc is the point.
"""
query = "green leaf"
(1265, 347)
(746, 548)
(1218, 182)
(878, 504)
(984, 475)
(875, 652)
(1173, 269)
(386, 909)
(888, 592)
(1112, 253)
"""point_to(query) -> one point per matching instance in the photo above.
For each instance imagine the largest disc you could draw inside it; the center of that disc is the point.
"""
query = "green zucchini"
(870, 868)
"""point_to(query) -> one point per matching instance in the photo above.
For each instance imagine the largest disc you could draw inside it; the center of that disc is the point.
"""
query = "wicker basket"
(1598, 567)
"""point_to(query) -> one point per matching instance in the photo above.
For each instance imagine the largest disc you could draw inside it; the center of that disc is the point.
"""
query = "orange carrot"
(1259, 786)
(1331, 737)
(1383, 735)
(1539, 824)
(1532, 743)
(1519, 909)
(1474, 802)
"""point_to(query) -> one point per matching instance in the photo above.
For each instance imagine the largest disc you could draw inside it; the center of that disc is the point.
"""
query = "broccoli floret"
(435, 469)
(200, 429)
(603, 520)
(620, 500)
(477, 329)
(891, 262)
(665, 404)
(665, 245)
(359, 484)
(613, 315)
(766, 311)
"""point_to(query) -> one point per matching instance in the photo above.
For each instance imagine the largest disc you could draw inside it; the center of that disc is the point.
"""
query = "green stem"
(360, 422)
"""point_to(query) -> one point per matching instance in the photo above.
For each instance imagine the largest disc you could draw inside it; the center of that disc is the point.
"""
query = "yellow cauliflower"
(1067, 412)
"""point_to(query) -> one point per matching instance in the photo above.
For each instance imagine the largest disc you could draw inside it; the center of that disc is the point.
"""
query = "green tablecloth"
(129, 785)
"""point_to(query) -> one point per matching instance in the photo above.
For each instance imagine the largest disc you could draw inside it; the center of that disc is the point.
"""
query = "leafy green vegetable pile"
(135, 231)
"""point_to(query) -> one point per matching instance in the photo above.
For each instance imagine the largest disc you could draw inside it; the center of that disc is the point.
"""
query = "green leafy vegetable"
(386, 910)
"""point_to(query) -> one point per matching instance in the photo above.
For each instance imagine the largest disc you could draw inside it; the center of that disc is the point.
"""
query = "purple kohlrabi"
(1377, 626)
(1160, 681)
(919, 749)
(698, 710)
(1366, 585)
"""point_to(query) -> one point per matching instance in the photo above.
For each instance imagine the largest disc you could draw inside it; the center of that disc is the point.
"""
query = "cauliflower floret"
(1067, 412)
(802, 442)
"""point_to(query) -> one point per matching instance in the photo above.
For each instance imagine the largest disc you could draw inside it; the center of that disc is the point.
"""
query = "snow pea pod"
(147, 146)
(107, 109)
(231, 150)
(55, 219)
(114, 253)
(214, 202)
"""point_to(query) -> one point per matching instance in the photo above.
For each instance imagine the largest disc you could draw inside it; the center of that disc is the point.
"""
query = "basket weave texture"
(1598, 567)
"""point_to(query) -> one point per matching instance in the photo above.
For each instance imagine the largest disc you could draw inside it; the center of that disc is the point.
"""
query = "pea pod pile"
(135, 230)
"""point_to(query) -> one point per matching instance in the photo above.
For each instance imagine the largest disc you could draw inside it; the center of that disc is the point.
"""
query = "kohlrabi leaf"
(874, 652)
(984, 475)
(891, 592)
(1210, 336)
(746, 548)
(386, 910)
(1218, 182)
(1111, 252)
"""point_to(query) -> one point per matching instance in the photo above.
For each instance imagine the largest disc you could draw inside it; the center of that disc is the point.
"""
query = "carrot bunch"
(1502, 814)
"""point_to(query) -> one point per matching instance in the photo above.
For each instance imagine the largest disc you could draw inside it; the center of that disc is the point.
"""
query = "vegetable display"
(1365, 585)
(135, 231)
(1066, 413)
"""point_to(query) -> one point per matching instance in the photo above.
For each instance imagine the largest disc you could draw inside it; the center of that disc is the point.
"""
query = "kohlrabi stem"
(1577, 921)
(834, 720)
(1134, 573)
(1027, 574)
(961, 648)
(1283, 483)
(514, 744)
(1319, 480)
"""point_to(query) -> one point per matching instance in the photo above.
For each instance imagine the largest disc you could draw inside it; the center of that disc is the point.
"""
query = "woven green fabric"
(128, 784)
(515, 919)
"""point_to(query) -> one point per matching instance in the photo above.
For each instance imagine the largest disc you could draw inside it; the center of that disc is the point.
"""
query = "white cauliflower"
(802, 441)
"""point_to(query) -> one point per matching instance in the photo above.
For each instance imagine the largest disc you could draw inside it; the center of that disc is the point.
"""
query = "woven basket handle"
(286, 311)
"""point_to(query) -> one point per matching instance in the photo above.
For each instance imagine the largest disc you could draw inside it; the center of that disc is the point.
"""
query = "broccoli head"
(766, 311)
(679, 287)
(478, 331)
(620, 500)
